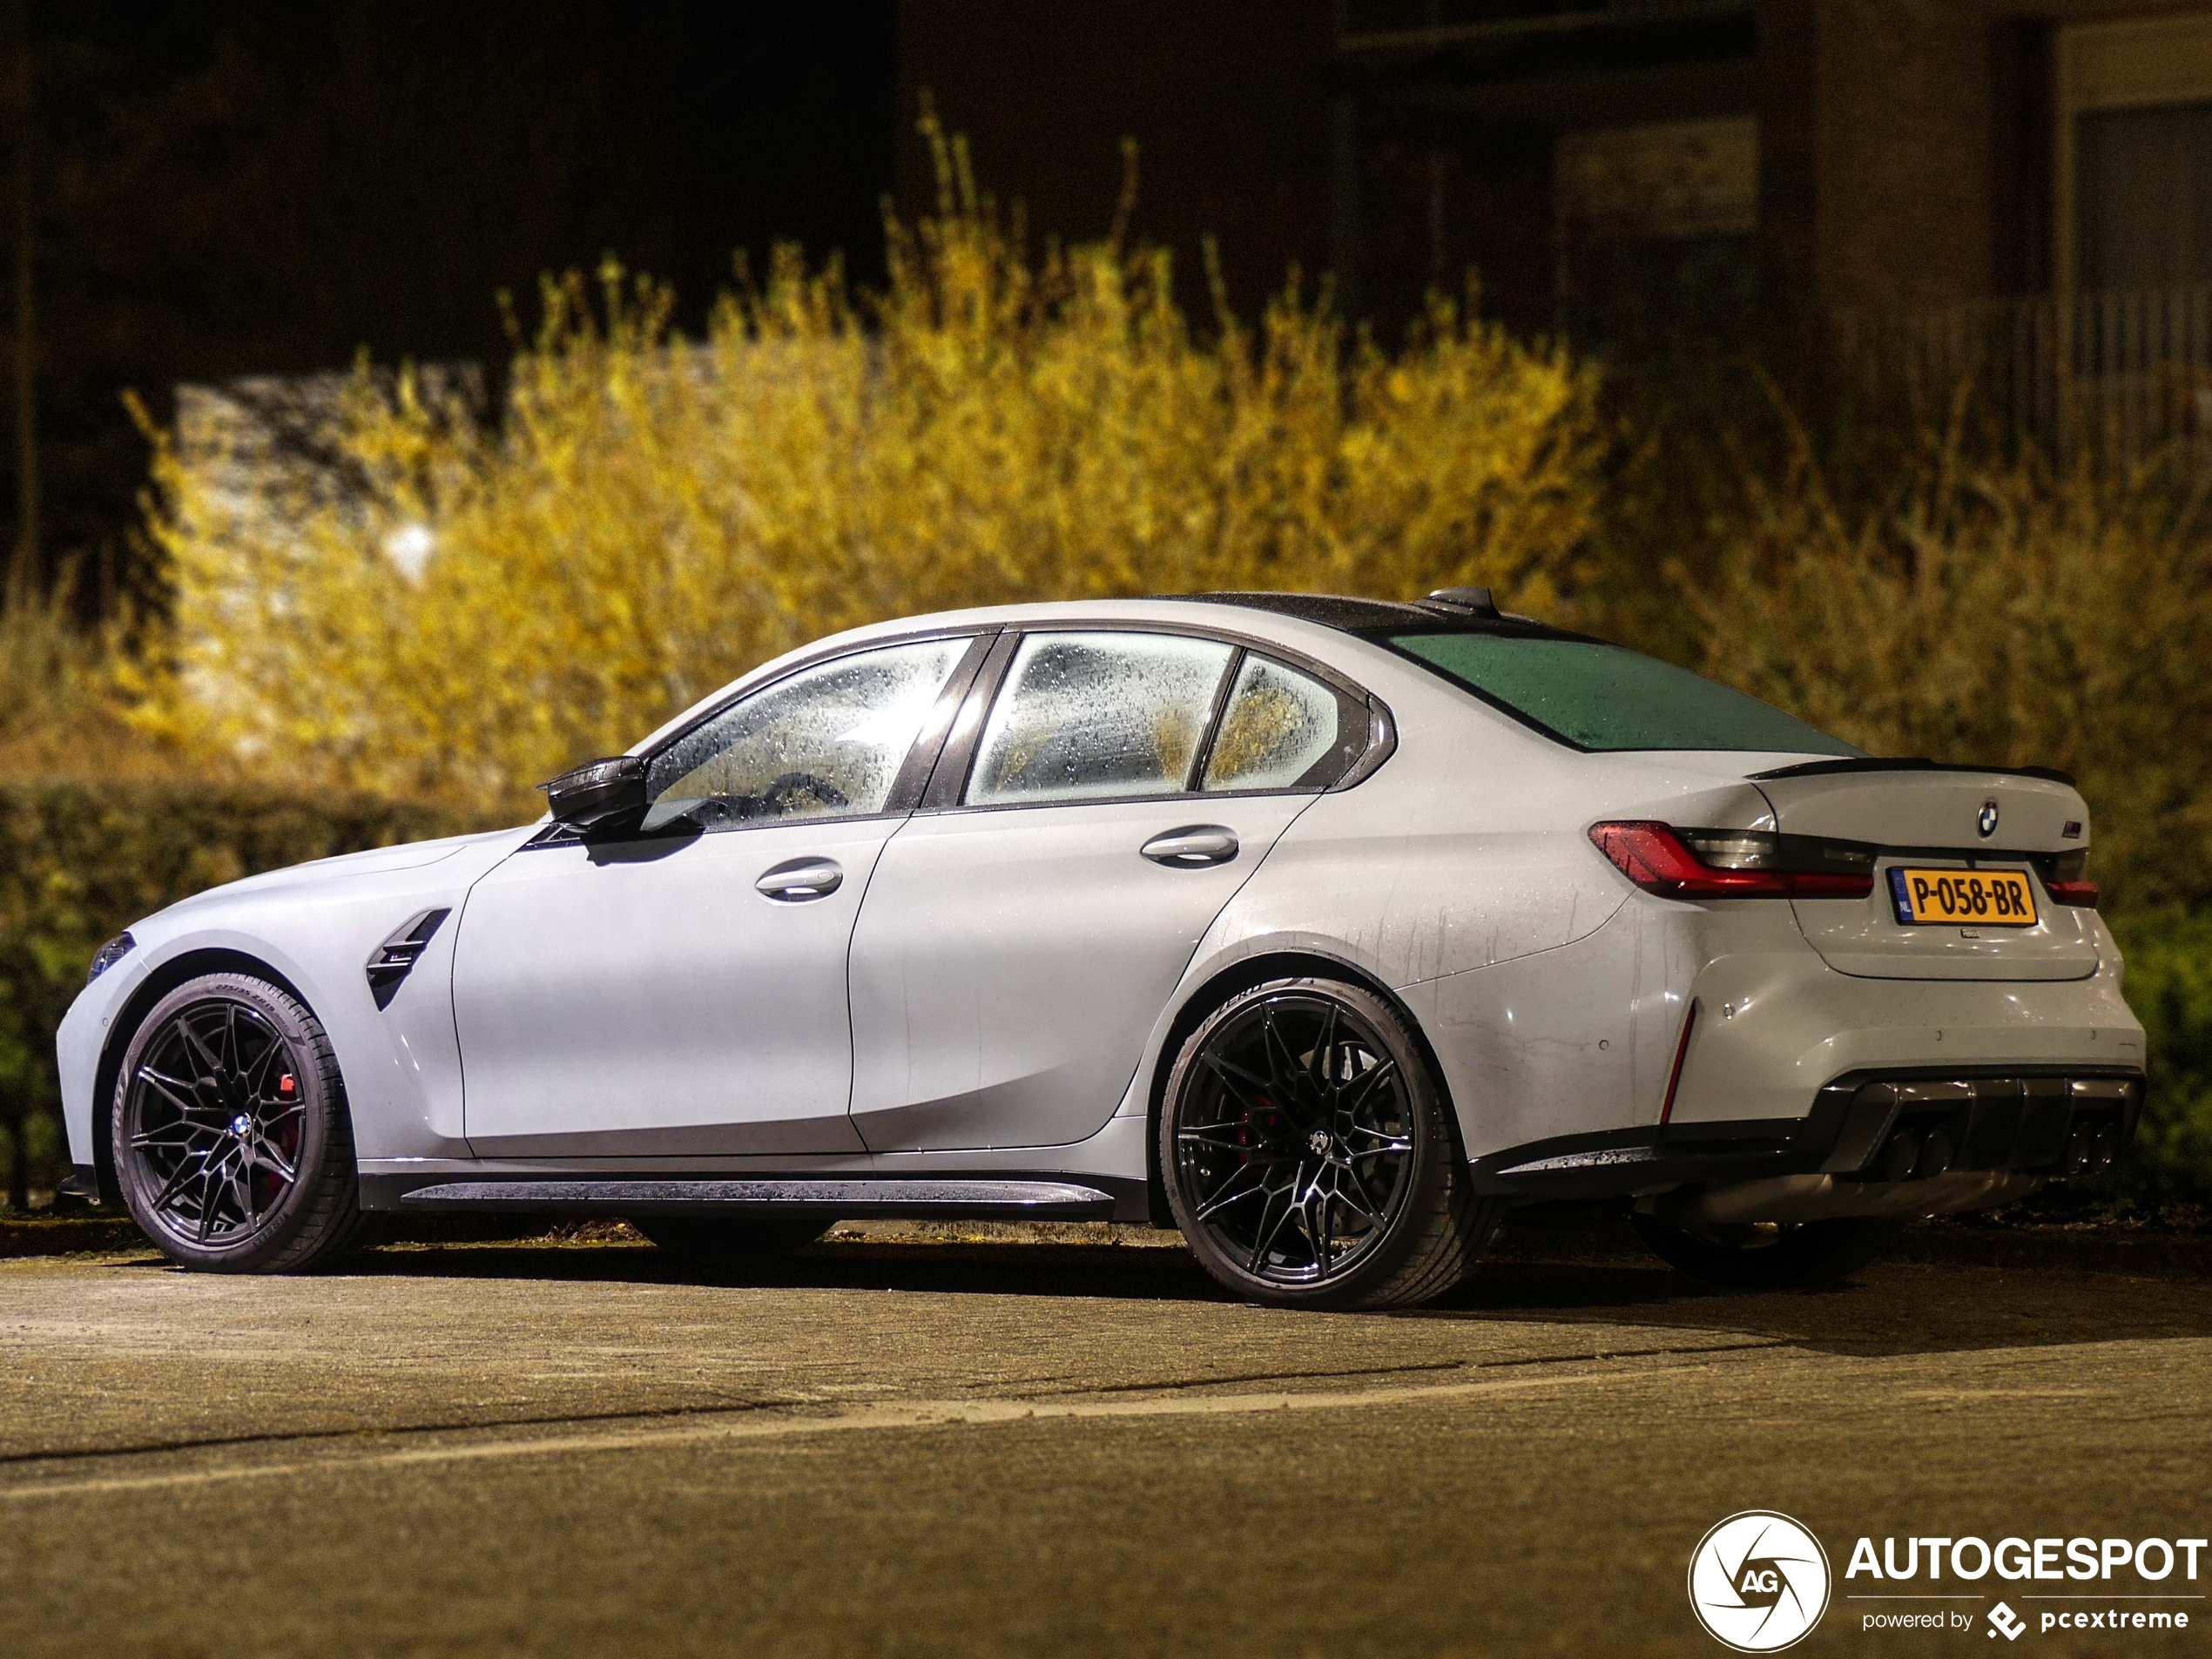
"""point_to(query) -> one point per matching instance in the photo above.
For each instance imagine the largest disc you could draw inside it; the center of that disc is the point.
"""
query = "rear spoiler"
(1911, 763)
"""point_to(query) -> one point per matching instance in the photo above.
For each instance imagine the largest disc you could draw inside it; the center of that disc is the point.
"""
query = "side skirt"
(843, 1199)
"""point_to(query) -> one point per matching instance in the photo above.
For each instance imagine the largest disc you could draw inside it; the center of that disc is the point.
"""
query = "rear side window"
(1283, 730)
(1093, 717)
(1602, 697)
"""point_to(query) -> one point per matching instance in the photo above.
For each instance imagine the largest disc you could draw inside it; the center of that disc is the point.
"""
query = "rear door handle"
(797, 879)
(1193, 848)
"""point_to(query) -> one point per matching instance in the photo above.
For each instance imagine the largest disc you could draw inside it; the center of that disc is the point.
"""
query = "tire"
(1309, 1156)
(728, 1243)
(1756, 1258)
(232, 1141)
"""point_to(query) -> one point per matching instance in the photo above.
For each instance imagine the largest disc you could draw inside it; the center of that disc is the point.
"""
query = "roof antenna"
(1472, 601)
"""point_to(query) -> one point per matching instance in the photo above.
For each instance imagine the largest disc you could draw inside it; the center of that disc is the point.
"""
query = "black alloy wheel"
(231, 1142)
(1308, 1157)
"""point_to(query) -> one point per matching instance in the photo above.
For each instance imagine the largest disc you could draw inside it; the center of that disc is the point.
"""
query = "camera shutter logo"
(1759, 1581)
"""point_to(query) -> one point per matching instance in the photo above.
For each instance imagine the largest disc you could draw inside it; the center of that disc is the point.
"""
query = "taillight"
(2065, 878)
(1731, 864)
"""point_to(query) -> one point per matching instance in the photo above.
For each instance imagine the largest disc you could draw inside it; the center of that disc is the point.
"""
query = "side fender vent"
(392, 961)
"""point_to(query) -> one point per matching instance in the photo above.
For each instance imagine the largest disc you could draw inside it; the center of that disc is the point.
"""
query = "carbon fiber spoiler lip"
(1912, 763)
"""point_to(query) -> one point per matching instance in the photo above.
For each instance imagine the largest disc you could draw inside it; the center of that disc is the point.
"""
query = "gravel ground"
(918, 1443)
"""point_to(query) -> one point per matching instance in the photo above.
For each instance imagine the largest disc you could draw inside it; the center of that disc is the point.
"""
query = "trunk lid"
(1943, 818)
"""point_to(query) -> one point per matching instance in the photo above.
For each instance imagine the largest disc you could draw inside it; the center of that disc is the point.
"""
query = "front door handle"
(797, 879)
(1195, 846)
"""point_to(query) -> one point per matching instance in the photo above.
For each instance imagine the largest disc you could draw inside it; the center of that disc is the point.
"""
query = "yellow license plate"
(1963, 898)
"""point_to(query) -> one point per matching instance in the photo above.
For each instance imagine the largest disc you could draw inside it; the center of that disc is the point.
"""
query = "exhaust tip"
(1901, 1155)
(2081, 1149)
(2107, 1148)
(1936, 1153)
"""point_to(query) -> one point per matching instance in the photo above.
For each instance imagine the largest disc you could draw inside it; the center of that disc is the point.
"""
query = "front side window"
(1602, 697)
(1283, 730)
(1098, 715)
(827, 742)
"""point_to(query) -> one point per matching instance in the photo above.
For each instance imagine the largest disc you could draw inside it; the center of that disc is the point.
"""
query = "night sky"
(225, 189)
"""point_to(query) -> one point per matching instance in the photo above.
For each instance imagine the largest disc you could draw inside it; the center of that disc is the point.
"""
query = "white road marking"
(933, 1413)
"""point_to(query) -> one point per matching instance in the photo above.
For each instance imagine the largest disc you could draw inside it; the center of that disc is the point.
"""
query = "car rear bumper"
(2023, 1120)
(1769, 1028)
(1722, 1015)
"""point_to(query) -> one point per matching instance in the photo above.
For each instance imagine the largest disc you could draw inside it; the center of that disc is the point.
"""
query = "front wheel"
(232, 1141)
(1308, 1154)
(1771, 1257)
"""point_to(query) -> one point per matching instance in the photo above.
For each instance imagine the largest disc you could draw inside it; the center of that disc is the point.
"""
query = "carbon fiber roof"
(1330, 609)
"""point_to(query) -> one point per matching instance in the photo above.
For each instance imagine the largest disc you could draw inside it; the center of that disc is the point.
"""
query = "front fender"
(401, 1063)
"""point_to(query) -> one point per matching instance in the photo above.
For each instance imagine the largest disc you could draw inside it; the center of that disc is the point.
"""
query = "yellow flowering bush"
(1992, 609)
(461, 607)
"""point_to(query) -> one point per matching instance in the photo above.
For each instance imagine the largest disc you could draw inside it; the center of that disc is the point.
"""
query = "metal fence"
(2129, 371)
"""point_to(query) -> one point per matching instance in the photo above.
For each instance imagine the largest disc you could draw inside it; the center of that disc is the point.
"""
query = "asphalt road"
(1034, 1449)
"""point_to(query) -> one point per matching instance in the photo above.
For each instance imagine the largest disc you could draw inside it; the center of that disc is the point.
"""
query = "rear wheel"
(726, 1243)
(1771, 1257)
(1308, 1154)
(232, 1141)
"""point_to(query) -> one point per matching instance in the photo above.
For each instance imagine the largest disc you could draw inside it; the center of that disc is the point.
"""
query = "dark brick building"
(1625, 168)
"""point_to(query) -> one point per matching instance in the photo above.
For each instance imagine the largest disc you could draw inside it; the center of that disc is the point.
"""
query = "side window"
(828, 742)
(1087, 717)
(1283, 730)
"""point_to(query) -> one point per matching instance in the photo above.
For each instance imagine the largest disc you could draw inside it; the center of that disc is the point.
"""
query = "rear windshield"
(1596, 696)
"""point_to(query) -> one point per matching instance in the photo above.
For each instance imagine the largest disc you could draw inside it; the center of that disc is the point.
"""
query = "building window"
(1660, 180)
(2135, 154)
(1657, 229)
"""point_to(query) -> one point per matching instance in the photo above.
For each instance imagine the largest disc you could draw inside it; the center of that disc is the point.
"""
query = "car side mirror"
(598, 793)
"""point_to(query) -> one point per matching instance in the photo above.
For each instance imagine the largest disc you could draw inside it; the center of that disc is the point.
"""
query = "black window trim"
(956, 757)
(921, 764)
(1202, 756)
(948, 783)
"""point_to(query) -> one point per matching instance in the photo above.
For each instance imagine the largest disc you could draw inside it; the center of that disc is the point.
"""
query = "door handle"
(1195, 846)
(798, 880)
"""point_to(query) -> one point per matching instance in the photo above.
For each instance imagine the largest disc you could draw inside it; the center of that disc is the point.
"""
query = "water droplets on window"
(1279, 726)
(1097, 716)
(828, 742)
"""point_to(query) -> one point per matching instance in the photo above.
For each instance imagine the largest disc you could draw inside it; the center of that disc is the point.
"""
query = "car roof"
(1297, 621)
(1330, 609)
(1306, 612)
(1437, 614)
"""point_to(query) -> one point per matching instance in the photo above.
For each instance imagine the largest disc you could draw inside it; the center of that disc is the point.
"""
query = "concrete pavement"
(1027, 1448)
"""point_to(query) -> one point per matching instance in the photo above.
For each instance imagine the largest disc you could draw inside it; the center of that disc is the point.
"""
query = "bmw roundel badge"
(1987, 822)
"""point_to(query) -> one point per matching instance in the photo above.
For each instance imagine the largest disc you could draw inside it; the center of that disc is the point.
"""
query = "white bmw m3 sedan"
(1329, 931)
